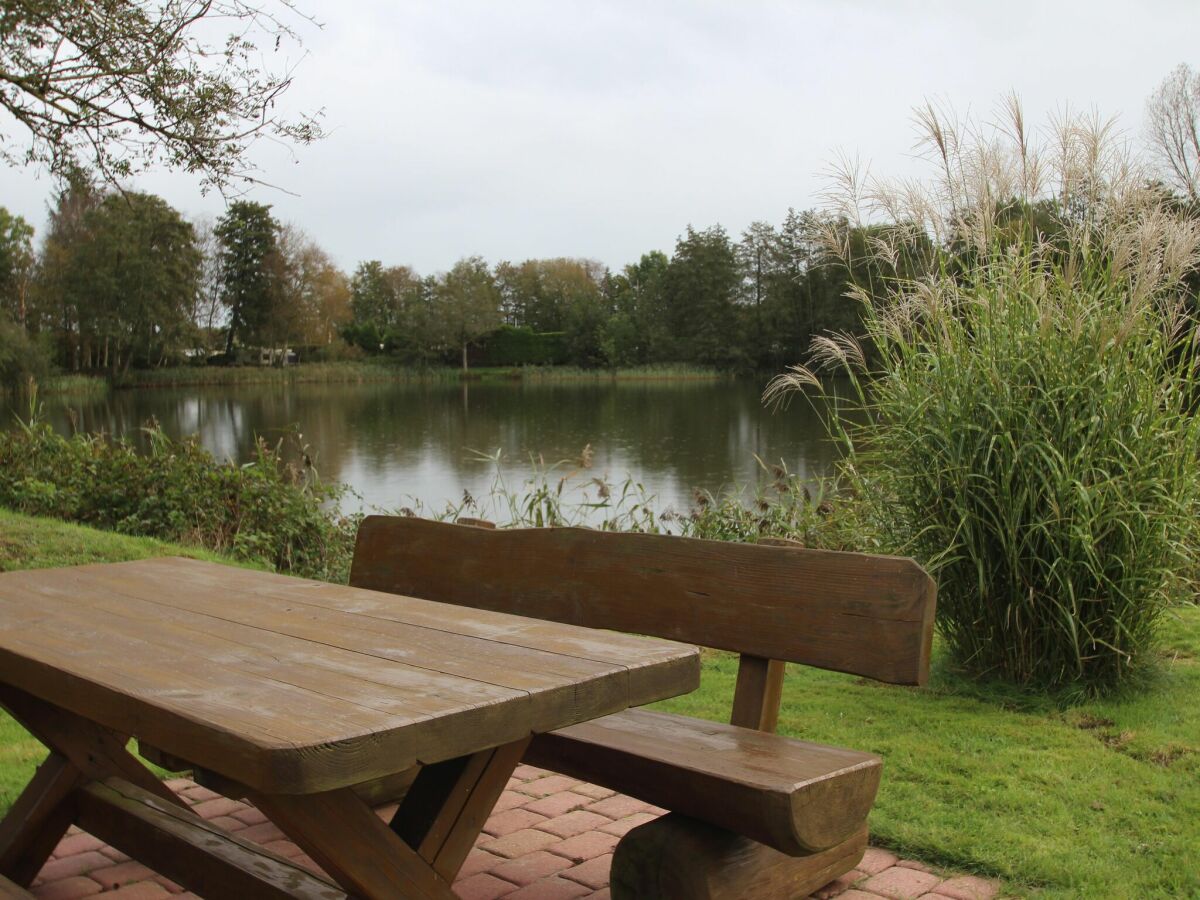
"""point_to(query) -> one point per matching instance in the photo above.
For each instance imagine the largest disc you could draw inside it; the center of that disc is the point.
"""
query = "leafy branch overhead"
(119, 86)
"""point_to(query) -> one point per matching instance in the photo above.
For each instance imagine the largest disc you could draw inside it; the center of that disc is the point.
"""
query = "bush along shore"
(360, 371)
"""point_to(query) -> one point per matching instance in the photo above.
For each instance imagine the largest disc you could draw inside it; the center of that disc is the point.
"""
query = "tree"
(133, 278)
(53, 307)
(118, 87)
(248, 236)
(1173, 128)
(701, 289)
(467, 304)
(16, 265)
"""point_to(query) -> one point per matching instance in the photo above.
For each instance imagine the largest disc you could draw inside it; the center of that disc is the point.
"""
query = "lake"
(399, 443)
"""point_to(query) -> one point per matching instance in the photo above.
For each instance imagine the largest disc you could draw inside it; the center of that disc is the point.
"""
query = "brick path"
(550, 838)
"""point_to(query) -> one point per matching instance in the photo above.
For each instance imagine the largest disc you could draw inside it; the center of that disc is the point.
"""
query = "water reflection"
(395, 442)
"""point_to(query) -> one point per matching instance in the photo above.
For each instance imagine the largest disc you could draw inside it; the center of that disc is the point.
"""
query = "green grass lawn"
(1097, 800)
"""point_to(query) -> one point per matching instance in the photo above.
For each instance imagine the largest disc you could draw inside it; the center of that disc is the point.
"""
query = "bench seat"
(794, 796)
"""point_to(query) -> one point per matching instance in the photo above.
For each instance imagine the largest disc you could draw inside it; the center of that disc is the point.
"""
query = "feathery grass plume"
(1025, 420)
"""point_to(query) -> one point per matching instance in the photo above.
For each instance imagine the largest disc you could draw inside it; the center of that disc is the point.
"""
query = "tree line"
(121, 279)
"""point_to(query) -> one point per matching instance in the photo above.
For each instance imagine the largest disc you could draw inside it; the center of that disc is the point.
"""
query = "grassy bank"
(1100, 800)
(362, 371)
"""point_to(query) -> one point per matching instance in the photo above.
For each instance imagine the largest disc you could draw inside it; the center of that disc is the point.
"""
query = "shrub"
(263, 510)
(1026, 431)
(21, 358)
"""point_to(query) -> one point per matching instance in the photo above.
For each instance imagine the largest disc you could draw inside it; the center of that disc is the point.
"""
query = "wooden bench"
(753, 813)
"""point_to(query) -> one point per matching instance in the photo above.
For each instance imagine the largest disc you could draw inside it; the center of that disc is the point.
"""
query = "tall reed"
(1027, 426)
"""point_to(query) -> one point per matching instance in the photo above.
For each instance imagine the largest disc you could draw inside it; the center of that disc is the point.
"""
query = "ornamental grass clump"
(1027, 391)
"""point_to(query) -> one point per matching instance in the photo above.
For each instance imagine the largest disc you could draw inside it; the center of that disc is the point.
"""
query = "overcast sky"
(602, 129)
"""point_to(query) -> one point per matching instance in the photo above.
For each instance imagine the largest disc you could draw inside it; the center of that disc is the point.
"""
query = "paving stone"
(875, 861)
(72, 888)
(914, 864)
(482, 887)
(527, 840)
(594, 791)
(250, 816)
(857, 895)
(900, 883)
(263, 833)
(510, 821)
(200, 794)
(179, 784)
(557, 804)
(284, 848)
(593, 873)
(574, 823)
(530, 868)
(478, 861)
(544, 787)
(114, 854)
(303, 859)
(78, 864)
(585, 846)
(228, 823)
(969, 887)
(602, 894)
(217, 806)
(78, 843)
(143, 890)
(509, 800)
(619, 806)
(839, 885)
(621, 827)
(122, 874)
(553, 888)
(528, 773)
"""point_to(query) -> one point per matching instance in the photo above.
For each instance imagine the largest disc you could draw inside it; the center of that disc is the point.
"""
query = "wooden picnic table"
(288, 692)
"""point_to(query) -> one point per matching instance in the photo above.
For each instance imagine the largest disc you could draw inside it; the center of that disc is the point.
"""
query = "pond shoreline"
(362, 372)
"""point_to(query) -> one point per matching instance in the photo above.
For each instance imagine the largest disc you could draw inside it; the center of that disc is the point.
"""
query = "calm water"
(397, 443)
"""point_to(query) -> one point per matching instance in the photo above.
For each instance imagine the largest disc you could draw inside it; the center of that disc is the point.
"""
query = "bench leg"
(677, 858)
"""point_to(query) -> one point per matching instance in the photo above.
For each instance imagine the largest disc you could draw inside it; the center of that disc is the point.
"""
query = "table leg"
(38, 819)
(449, 802)
(94, 750)
(351, 843)
(428, 839)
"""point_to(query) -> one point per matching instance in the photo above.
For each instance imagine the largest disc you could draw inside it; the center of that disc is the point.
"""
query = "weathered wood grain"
(296, 686)
(795, 796)
(38, 819)
(447, 805)
(179, 844)
(354, 846)
(867, 615)
(677, 858)
(758, 693)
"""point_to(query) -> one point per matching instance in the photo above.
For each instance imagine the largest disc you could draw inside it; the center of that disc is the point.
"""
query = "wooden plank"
(446, 807)
(187, 849)
(39, 818)
(849, 612)
(758, 692)
(354, 846)
(795, 796)
(674, 856)
(653, 667)
(387, 665)
(297, 712)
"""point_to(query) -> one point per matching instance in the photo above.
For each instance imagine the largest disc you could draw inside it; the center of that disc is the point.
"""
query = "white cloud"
(598, 129)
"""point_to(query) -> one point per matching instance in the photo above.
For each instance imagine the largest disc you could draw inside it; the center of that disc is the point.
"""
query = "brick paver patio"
(550, 838)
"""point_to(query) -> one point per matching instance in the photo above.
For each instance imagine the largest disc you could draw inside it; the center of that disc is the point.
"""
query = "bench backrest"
(848, 612)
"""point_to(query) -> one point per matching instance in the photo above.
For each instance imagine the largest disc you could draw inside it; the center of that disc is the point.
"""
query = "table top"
(295, 686)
